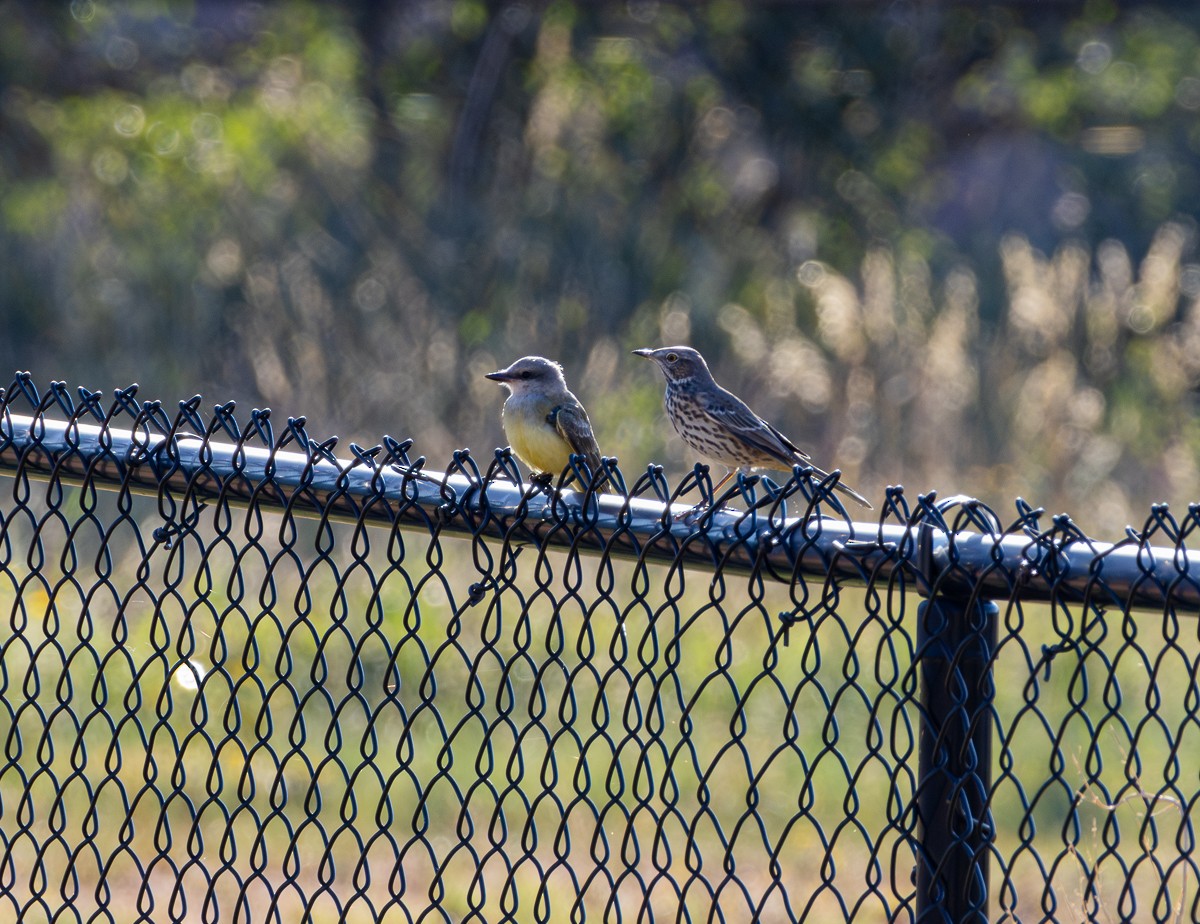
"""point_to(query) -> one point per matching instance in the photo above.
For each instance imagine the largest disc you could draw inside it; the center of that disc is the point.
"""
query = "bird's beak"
(648, 354)
(500, 376)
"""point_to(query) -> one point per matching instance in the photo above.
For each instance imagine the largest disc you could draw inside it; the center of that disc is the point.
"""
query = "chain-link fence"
(246, 679)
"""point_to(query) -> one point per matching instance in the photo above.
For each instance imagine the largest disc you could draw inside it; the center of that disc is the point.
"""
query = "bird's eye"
(526, 374)
(672, 357)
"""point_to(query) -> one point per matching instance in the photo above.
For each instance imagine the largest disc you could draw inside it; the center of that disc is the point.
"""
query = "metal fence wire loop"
(246, 675)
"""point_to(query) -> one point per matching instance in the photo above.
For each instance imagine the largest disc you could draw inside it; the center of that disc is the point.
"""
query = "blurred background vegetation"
(945, 245)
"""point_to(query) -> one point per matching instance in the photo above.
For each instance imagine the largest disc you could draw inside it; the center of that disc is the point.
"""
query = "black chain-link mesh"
(236, 689)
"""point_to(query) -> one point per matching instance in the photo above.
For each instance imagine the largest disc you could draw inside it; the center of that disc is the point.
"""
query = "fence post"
(956, 637)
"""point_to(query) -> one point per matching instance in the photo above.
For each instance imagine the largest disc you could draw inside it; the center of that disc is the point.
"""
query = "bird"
(544, 423)
(719, 425)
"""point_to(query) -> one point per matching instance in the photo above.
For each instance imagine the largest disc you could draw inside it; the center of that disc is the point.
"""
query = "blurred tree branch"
(506, 21)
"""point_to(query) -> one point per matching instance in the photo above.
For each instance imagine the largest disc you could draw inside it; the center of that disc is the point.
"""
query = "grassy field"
(275, 720)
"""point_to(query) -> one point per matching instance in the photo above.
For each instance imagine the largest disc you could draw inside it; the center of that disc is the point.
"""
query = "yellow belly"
(535, 442)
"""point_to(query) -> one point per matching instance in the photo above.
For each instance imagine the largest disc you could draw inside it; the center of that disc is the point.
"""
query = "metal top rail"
(954, 546)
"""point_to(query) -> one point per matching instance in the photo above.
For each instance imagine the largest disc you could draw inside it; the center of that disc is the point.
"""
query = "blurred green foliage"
(949, 246)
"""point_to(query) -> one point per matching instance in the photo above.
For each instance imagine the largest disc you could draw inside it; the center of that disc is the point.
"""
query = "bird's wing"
(792, 447)
(571, 422)
(735, 414)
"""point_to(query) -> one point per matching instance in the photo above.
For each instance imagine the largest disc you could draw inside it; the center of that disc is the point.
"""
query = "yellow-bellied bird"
(543, 421)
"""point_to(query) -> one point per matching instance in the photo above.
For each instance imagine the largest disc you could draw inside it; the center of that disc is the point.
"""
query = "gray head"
(681, 365)
(531, 374)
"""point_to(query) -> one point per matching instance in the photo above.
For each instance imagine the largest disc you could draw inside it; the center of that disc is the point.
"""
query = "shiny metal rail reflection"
(988, 565)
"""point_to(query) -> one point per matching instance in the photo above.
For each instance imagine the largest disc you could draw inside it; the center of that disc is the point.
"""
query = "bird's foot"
(543, 481)
(695, 514)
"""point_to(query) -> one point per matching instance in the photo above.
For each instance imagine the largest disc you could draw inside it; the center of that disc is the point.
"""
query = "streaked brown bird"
(543, 421)
(719, 425)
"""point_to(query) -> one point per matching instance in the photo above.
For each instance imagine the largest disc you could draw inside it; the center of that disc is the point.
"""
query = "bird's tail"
(595, 467)
(853, 495)
(842, 488)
